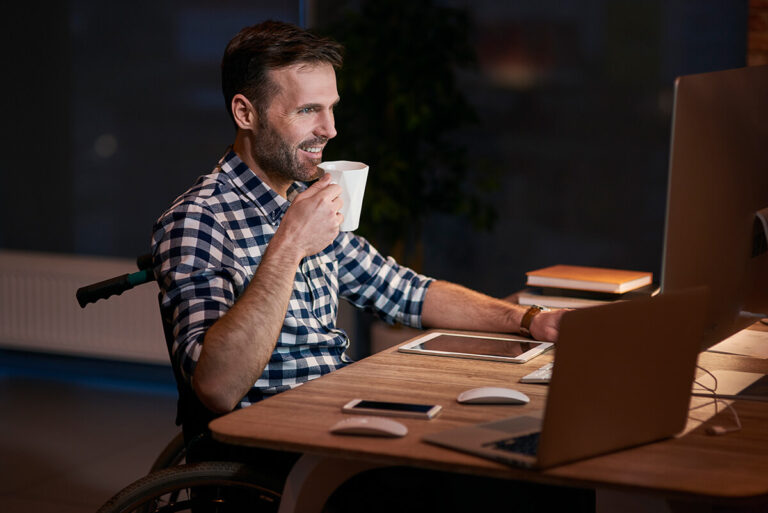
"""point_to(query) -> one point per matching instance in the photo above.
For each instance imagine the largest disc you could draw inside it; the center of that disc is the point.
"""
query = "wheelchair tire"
(218, 486)
(172, 455)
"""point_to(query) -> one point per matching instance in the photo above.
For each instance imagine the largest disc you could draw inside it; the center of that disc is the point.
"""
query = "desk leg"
(313, 479)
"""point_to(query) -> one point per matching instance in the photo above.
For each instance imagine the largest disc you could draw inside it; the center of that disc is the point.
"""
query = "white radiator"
(39, 312)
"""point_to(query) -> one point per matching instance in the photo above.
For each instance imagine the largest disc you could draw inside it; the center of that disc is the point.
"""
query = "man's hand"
(546, 325)
(312, 221)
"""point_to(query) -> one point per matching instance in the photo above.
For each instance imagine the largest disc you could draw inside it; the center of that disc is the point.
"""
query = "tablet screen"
(478, 346)
(512, 349)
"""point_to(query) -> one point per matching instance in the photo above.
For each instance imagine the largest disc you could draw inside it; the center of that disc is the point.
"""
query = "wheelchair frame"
(171, 485)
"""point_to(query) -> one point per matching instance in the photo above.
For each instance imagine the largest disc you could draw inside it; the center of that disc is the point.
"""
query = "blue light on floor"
(93, 372)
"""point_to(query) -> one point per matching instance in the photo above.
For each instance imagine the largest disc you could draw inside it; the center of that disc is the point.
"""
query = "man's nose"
(327, 126)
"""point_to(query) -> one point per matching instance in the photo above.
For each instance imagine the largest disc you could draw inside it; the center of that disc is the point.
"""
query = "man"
(250, 260)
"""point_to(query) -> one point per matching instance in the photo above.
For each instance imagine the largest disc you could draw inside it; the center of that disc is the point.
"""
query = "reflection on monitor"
(718, 185)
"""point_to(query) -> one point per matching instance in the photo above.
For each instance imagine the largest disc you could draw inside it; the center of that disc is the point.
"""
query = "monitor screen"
(718, 183)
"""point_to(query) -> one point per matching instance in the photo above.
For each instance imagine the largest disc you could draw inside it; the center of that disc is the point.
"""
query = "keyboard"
(541, 375)
(526, 444)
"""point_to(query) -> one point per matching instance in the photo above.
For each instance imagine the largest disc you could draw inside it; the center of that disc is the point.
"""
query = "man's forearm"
(451, 306)
(237, 348)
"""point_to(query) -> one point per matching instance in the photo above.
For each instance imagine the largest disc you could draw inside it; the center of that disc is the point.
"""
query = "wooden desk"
(693, 467)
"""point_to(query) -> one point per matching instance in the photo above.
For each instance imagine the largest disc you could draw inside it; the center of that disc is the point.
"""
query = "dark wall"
(111, 110)
(580, 132)
(36, 209)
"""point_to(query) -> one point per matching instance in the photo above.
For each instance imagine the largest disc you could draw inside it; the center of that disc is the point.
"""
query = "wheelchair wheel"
(200, 488)
(172, 455)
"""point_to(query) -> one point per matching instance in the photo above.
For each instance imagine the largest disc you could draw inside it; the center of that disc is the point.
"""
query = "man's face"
(299, 122)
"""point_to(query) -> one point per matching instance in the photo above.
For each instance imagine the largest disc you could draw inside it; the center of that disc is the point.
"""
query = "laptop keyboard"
(525, 444)
(541, 375)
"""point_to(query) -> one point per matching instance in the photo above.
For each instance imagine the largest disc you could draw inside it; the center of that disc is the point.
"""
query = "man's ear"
(244, 113)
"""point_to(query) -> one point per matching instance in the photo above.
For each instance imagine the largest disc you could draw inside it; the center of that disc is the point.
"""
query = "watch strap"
(527, 320)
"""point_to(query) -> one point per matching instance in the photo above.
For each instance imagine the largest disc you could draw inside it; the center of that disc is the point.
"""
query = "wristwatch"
(525, 323)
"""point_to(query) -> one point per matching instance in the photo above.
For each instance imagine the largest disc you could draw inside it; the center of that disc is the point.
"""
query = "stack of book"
(572, 286)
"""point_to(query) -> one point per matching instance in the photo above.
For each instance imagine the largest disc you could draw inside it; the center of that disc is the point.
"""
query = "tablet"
(503, 349)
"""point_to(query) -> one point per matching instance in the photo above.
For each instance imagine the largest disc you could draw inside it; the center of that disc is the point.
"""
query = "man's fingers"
(323, 185)
(318, 186)
(330, 192)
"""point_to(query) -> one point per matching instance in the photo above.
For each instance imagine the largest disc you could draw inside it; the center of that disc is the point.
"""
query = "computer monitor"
(717, 192)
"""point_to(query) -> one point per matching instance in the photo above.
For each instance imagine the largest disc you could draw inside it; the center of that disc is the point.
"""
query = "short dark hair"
(269, 45)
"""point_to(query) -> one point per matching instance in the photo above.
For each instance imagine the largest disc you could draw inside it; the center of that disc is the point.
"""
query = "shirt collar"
(252, 187)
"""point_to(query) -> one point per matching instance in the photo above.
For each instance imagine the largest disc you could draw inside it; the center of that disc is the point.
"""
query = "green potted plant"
(402, 113)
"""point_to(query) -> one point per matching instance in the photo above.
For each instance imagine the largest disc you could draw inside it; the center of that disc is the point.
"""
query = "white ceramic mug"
(351, 176)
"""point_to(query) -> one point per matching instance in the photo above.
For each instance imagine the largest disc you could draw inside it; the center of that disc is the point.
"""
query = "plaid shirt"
(207, 247)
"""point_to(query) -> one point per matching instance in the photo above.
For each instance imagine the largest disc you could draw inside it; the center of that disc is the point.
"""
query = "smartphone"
(419, 411)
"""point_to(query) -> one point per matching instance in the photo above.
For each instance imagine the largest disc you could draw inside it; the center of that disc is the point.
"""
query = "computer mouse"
(369, 426)
(493, 395)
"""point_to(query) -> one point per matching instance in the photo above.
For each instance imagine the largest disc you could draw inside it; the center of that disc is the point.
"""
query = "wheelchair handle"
(113, 286)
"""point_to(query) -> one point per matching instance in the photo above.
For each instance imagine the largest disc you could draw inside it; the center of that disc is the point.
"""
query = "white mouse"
(370, 426)
(493, 395)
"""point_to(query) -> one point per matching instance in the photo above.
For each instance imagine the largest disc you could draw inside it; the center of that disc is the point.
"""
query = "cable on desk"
(716, 430)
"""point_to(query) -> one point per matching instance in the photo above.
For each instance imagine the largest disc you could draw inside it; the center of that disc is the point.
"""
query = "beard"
(275, 156)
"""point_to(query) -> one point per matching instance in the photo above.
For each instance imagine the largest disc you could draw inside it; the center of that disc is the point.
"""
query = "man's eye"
(306, 110)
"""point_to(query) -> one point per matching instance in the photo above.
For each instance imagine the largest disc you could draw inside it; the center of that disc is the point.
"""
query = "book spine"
(541, 281)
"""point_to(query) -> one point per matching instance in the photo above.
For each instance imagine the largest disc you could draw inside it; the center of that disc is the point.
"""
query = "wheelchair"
(173, 484)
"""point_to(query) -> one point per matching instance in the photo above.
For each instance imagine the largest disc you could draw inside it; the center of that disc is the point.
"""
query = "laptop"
(622, 377)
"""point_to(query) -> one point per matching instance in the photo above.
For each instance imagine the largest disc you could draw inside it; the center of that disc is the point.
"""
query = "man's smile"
(314, 149)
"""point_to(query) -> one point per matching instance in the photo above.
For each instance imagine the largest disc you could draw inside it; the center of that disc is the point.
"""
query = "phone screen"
(391, 408)
(387, 406)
